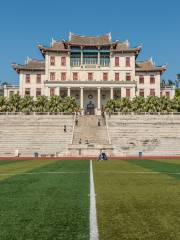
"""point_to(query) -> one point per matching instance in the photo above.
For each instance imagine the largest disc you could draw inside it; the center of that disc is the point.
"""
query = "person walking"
(65, 129)
(76, 121)
(99, 122)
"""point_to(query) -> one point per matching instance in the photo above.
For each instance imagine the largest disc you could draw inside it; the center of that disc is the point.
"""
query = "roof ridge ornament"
(151, 61)
(70, 35)
(110, 37)
(52, 42)
(127, 42)
(28, 60)
(140, 45)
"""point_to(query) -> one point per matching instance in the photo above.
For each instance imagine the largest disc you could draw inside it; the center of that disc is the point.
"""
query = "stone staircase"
(153, 135)
(43, 134)
(88, 130)
(89, 138)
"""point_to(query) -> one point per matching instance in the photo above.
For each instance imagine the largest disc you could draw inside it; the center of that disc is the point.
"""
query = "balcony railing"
(76, 62)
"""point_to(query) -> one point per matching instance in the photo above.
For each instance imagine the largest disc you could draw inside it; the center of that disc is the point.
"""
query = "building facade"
(91, 69)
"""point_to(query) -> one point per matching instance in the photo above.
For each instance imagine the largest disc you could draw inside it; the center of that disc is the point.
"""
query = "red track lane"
(91, 158)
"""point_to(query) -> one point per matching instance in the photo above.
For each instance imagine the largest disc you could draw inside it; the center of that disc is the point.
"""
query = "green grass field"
(45, 204)
(49, 200)
(136, 202)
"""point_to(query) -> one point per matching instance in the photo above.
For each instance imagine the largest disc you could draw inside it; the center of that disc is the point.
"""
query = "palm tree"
(70, 105)
(111, 105)
(3, 104)
(41, 104)
(27, 104)
(14, 103)
(138, 104)
(124, 105)
(55, 104)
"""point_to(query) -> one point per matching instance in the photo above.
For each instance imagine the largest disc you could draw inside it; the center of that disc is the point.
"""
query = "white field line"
(94, 235)
(38, 173)
(125, 172)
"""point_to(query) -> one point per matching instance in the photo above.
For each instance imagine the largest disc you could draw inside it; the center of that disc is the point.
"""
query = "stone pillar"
(57, 91)
(112, 93)
(99, 98)
(81, 55)
(99, 102)
(133, 92)
(98, 56)
(47, 91)
(69, 91)
(123, 92)
(82, 100)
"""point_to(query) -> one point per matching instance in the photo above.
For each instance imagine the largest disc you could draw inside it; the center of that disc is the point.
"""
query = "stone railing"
(143, 113)
(36, 113)
(74, 122)
(107, 128)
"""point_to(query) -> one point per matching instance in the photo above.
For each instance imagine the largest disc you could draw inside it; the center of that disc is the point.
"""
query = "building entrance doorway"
(90, 108)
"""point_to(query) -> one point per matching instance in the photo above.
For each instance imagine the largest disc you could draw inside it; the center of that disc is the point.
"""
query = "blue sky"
(154, 24)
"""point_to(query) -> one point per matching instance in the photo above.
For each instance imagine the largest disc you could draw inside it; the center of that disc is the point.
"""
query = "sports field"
(50, 200)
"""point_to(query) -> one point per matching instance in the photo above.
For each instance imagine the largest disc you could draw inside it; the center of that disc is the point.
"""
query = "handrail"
(107, 128)
(74, 120)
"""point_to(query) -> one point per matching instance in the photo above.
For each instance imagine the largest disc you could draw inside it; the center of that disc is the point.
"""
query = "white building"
(91, 69)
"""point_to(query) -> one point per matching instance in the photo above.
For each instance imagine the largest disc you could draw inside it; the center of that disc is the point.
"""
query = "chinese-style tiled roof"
(124, 47)
(78, 40)
(149, 66)
(56, 46)
(31, 64)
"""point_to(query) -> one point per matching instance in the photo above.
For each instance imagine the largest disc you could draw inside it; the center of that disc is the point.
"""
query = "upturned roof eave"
(157, 69)
(18, 68)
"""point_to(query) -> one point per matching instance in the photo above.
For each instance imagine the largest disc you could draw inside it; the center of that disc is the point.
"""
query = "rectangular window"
(152, 79)
(63, 61)
(90, 76)
(141, 92)
(116, 61)
(141, 79)
(152, 92)
(52, 92)
(27, 92)
(75, 76)
(105, 76)
(52, 76)
(128, 92)
(38, 92)
(11, 93)
(116, 76)
(52, 61)
(38, 78)
(128, 64)
(128, 77)
(28, 78)
(168, 94)
(63, 76)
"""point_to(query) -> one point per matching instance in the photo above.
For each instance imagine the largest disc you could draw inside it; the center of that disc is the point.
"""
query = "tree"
(55, 104)
(27, 104)
(111, 106)
(177, 92)
(3, 104)
(70, 105)
(41, 104)
(13, 103)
